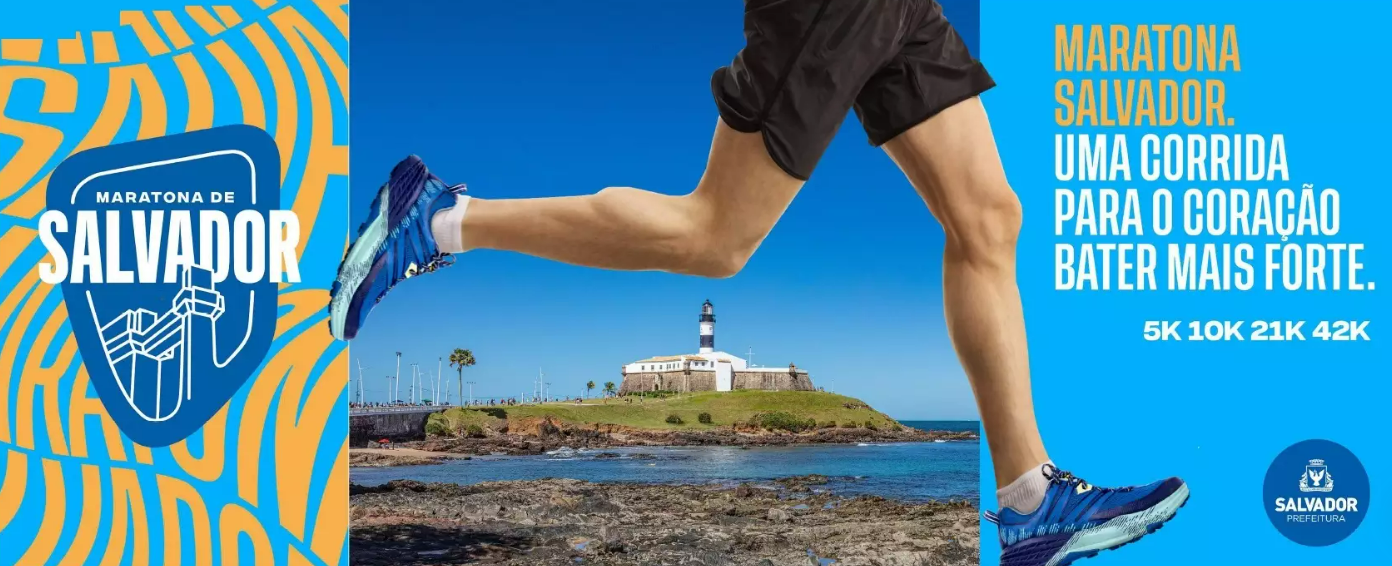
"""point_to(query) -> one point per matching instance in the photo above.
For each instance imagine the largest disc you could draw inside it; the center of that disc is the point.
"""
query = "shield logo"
(1316, 477)
(169, 286)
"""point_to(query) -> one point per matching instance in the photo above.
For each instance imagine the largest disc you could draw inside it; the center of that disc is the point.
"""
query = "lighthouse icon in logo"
(1316, 478)
(152, 355)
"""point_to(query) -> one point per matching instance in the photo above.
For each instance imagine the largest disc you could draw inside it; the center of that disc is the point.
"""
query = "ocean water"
(953, 426)
(913, 471)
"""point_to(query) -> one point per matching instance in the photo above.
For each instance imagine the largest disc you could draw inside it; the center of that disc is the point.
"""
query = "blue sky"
(555, 98)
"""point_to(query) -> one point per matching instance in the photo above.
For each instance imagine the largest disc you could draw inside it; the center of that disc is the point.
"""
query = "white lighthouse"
(707, 327)
(709, 370)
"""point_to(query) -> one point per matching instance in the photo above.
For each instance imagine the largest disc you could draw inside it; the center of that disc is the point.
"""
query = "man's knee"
(721, 259)
(716, 247)
(987, 228)
(719, 253)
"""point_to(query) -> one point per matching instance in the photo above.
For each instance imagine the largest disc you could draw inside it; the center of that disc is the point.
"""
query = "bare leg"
(711, 232)
(951, 160)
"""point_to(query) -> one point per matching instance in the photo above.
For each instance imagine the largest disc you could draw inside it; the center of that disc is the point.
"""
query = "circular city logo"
(1316, 493)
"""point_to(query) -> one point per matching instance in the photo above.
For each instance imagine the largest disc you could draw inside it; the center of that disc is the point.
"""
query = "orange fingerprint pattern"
(265, 481)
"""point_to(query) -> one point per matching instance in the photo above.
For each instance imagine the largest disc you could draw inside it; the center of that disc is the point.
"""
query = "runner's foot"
(395, 243)
(1078, 520)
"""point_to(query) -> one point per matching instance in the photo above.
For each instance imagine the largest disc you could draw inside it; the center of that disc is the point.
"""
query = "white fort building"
(709, 369)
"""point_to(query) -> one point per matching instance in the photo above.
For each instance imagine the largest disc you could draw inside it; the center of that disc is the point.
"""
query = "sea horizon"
(952, 425)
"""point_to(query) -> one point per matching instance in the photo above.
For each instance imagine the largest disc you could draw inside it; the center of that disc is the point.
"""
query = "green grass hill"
(771, 409)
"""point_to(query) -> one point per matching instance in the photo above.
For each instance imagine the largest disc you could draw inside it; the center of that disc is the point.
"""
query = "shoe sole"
(357, 264)
(1120, 531)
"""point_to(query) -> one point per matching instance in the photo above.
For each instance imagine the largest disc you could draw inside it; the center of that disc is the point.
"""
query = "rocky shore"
(539, 435)
(569, 522)
(384, 458)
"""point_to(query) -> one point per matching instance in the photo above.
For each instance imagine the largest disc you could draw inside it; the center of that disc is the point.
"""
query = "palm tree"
(589, 386)
(608, 388)
(461, 358)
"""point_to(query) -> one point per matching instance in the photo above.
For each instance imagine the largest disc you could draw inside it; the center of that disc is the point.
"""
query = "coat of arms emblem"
(1316, 477)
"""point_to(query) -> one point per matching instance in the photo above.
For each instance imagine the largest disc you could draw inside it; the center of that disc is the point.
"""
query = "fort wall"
(697, 380)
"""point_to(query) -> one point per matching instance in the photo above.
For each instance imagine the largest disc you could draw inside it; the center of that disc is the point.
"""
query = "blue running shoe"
(394, 244)
(1078, 520)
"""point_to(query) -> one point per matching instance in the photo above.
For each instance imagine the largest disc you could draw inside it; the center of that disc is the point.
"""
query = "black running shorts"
(807, 62)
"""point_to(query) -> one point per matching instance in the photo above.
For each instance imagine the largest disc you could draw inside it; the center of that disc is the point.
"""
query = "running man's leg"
(781, 101)
(711, 231)
(922, 108)
(952, 162)
(417, 221)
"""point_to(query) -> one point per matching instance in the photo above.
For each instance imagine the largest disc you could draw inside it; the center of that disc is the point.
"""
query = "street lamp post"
(360, 382)
(396, 395)
(415, 371)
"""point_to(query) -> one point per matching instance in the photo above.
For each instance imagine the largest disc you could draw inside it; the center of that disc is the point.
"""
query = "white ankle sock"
(1027, 491)
(447, 226)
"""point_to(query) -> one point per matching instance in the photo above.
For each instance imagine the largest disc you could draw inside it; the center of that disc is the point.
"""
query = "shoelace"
(1061, 476)
(436, 262)
(1055, 475)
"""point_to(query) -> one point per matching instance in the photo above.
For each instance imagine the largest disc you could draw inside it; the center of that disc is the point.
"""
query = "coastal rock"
(801, 484)
(381, 458)
(539, 427)
(777, 515)
(538, 435)
(557, 521)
